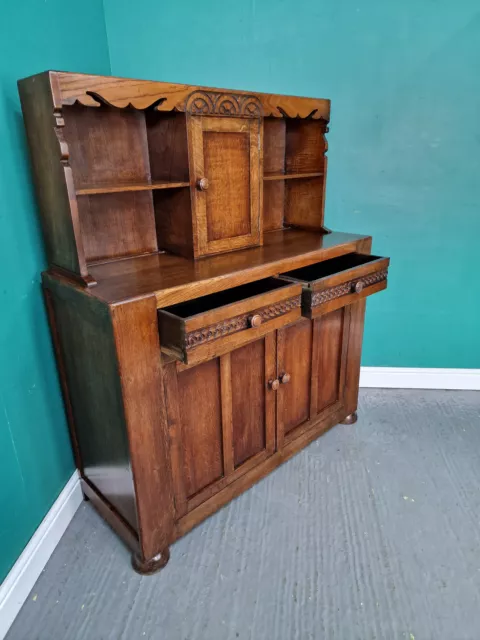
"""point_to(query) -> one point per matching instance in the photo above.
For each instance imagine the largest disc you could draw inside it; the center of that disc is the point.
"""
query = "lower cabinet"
(230, 413)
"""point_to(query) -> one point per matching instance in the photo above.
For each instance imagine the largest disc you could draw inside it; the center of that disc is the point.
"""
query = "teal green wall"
(35, 457)
(404, 154)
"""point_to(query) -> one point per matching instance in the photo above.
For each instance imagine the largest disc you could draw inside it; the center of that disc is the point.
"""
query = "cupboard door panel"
(294, 359)
(199, 406)
(330, 333)
(225, 167)
(248, 401)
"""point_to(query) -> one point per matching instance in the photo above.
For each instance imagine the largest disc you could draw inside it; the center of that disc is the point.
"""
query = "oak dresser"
(207, 325)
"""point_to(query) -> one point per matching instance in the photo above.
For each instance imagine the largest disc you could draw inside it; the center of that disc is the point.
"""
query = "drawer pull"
(357, 287)
(202, 184)
(273, 384)
(255, 321)
(285, 378)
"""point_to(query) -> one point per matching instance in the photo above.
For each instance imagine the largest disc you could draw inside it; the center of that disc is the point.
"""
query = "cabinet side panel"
(248, 400)
(52, 174)
(295, 360)
(327, 358)
(137, 344)
(200, 414)
(88, 352)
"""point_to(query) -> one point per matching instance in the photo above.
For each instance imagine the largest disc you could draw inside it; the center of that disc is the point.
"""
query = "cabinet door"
(225, 170)
(329, 359)
(294, 368)
(221, 416)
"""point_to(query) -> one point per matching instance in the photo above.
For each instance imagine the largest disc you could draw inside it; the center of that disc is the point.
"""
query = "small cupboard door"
(225, 169)
(221, 416)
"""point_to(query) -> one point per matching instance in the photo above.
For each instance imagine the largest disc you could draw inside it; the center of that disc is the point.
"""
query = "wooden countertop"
(174, 279)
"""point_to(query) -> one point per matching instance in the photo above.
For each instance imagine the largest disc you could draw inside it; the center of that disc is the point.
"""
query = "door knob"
(255, 321)
(202, 184)
(285, 378)
(273, 384)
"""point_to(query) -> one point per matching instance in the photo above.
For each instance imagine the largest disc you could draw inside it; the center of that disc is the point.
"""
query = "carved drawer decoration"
(209, 326)
(334, 283)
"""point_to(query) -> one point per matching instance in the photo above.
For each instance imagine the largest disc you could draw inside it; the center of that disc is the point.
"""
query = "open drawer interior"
(334, 283)
(223, 298)
(211, 325)
(319, 270)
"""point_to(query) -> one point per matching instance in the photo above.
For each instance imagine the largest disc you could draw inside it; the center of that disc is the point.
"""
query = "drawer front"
(341, 281)
(217, 328)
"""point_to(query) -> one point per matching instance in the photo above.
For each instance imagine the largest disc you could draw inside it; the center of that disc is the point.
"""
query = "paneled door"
(294, 368)
(312, 364)
(329, 360)
(221, 416)
(226, 191)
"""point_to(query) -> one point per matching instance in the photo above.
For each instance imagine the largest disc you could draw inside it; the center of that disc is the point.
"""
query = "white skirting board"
(17, 585)
(20, 580)
(407, 378)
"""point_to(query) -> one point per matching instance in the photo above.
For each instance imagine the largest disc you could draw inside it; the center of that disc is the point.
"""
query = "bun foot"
(152, 565)
(351, 419)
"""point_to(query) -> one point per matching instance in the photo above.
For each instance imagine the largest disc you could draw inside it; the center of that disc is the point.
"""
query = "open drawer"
(335, 283)
(209, 326)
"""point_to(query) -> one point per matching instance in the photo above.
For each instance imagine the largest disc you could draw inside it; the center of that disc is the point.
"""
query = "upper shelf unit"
(128, 167)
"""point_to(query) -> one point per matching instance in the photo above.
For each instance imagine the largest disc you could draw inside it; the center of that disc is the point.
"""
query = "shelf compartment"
(292, 176)
(120, 188)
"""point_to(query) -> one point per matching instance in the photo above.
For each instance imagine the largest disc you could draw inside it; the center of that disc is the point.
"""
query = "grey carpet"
(372, 532)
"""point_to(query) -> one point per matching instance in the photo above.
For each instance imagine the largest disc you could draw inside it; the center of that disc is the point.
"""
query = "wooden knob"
(255, 321)
(273, 384)
(357, 287)
(285, 378)
(202, 184)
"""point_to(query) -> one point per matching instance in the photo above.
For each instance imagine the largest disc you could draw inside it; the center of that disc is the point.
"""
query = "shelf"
(291, 176)
(119, 188)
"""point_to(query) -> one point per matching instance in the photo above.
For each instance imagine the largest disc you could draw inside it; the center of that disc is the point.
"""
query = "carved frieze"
(92, 91)
(332, 293)
(207, 103)
(239, 323)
